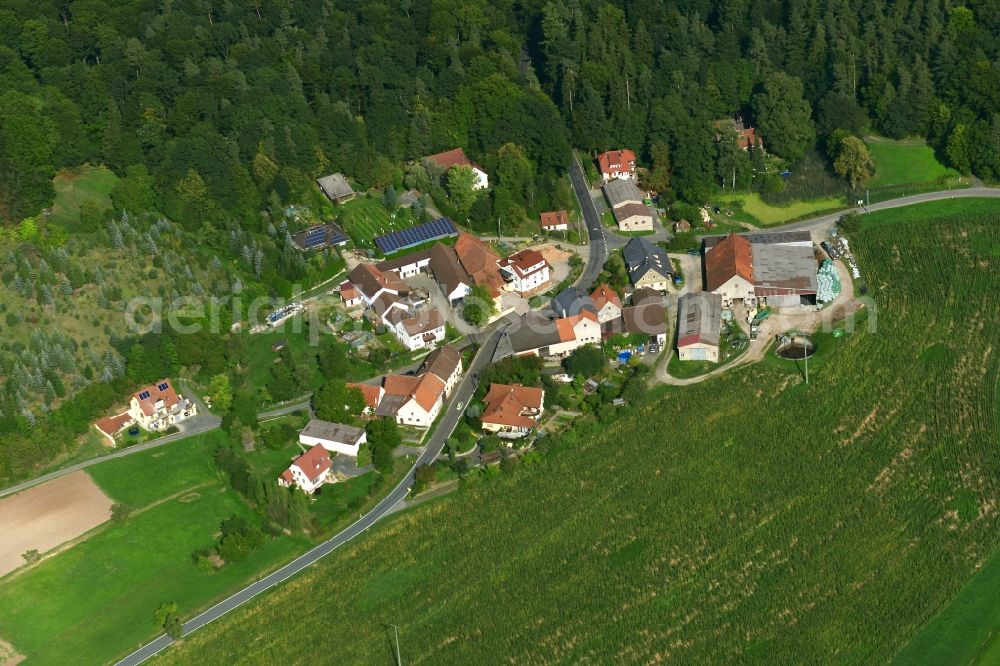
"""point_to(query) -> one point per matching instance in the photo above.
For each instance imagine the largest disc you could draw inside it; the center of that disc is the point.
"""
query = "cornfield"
(747, 519)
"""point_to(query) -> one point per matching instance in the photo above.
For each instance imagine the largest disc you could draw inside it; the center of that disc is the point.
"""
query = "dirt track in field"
(48, 515)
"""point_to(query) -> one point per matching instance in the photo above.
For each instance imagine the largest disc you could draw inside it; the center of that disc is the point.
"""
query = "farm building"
(571, 301)
(774, 268)
(617, 164)
(698, 326)
(336, 188)
(512, 410)
(538, 335)
(334, 437)
(408, 265)
(453, 279)
(623, 192)
(634, 217)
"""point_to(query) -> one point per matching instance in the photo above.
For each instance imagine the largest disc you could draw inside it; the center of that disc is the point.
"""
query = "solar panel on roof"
(162, 387)
(143, 395)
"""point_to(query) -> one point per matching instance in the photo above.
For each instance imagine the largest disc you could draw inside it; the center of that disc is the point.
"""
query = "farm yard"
(852, 509)
(96, 600)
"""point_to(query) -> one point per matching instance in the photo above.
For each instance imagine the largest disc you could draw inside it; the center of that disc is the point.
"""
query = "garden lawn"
(140, 479)
(766, 215)
(95, 601)
(905, 163)
(745, 519)
(362, 219)
(74, 189)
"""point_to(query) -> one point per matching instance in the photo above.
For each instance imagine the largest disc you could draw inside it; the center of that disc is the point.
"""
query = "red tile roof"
(113, 424)
(524, 261)
(371, 393)
(748, 137)
(313, 462)
(512, 405)
(566, 325)
(731, 256)
(616, 160)
(554, 218)
(370, 280)
(168, 395)
(450, 158)
(603, 295)
(425, 389)
(480, 262)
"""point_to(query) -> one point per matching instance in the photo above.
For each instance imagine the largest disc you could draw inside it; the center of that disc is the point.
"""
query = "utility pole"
(399, 661)
(805, 355)
(498, 228)
(868, 201)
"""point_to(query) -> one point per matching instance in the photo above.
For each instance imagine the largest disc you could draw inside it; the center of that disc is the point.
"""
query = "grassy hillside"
(905, 163)
(747, 518)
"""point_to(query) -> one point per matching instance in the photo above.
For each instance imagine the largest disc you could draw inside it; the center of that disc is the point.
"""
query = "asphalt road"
(595, 231)
(435, 444)
(204, 421)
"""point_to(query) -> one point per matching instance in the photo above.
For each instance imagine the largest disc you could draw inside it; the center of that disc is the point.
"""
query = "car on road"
(459, 406)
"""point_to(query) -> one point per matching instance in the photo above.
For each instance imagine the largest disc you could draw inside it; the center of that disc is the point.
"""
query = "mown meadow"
(749, 518)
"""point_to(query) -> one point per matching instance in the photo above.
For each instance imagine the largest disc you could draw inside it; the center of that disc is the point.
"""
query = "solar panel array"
(162, 387)
(421, 233)
(321, 236)
(143, 395)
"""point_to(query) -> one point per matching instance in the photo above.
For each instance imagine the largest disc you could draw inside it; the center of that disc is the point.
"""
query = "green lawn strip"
(142, 478)
(364, 218)
(74, 189)
(765, 215)
(898, 163)
(966, 630)
(688, 369)
(96, 600)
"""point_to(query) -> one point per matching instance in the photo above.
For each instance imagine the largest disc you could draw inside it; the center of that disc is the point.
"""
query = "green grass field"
(362, 219)
(92, 185)
(745, 519)
(905, 163)
(765, 215)
(96, 600)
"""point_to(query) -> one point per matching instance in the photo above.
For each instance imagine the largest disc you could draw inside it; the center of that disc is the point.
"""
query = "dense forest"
(213, 109)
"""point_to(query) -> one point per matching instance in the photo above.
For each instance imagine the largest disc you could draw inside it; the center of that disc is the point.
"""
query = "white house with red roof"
(309, 471)
(607, 302)
(512, 410)
(412, 401)
(372, 394)
(456, 158)
(525, 272)
(159, 406)
(617, 164)
(349, 294)
(555, 220)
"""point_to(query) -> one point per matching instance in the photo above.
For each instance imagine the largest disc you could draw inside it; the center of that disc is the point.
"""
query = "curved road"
(598, 241)
(435, 444)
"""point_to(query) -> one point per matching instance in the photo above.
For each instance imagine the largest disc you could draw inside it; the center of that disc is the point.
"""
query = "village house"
(648, 265)
(698, 326)
(309, 471)
(334, 437)
(336, 188)
(412, 401)
(525, 272)
(537, 335)
(454, 281)
(617, 164)
(456, 158)
(555, 220)
(349, 294)
(372, 394)
(649, 319)
(445, 363)
(776, 268)
(609, 306)
(319, 237)
(159, 406)
(512, 410)
(370, 283)
(416, 330)
(408, 265)
(480, 261)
